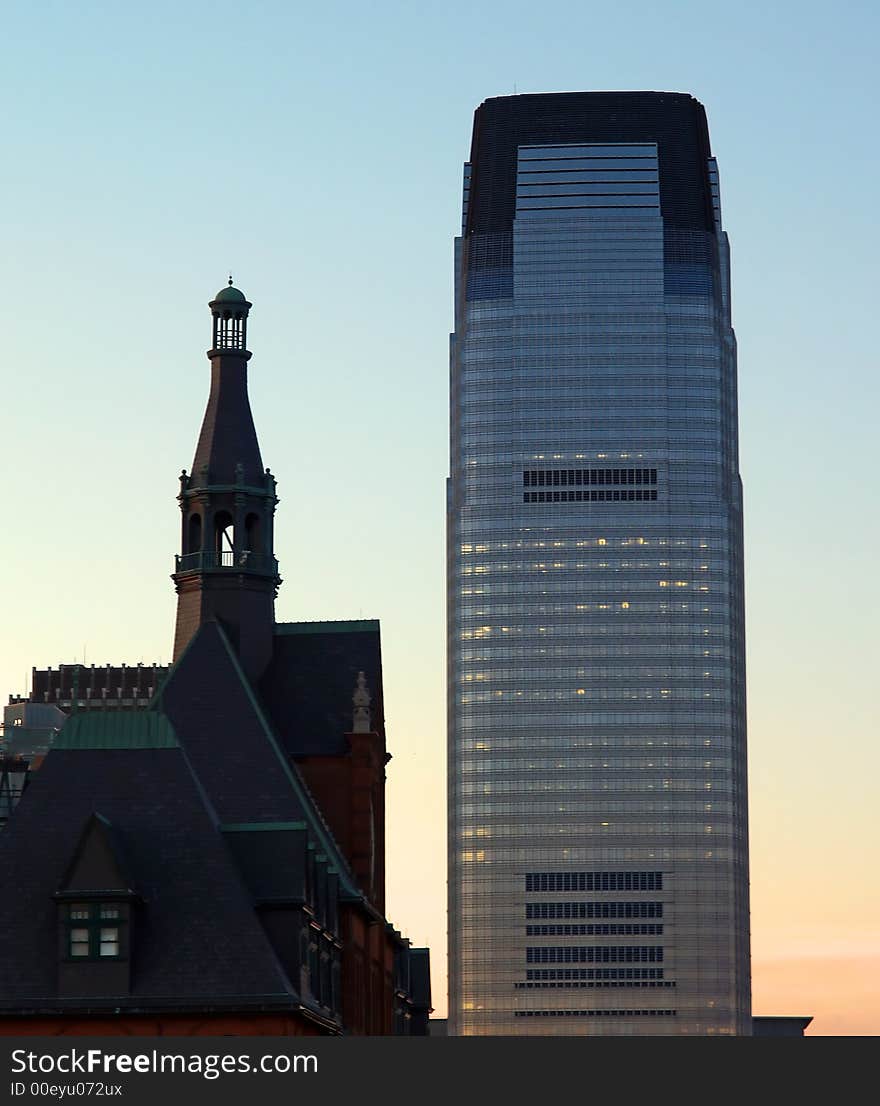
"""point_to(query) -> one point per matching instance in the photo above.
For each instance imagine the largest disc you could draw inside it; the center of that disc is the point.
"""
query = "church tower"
(226, 570)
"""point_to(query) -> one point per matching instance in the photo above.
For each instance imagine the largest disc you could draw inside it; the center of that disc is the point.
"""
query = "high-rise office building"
(598, 837)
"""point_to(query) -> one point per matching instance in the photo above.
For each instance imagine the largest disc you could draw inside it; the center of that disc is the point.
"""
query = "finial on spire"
(361, 700)
(230, 280)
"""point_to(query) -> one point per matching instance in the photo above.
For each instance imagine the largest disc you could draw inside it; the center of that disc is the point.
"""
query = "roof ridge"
(322, 830)
(338, 626)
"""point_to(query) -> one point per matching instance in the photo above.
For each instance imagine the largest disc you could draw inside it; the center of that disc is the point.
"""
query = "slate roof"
(308, 685)
(211, 817)
(178, 862)
(231, 745)
(272, 858)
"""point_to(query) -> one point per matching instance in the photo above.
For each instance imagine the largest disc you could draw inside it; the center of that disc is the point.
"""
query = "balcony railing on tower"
(236, 560)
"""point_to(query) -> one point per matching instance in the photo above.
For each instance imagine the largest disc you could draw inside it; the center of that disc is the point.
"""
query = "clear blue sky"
(316, 151)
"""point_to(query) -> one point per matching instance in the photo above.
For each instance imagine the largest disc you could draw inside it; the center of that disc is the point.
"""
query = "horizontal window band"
(594, 954)
(575, 188)
(594, 881)
(594, 910)
(534, 204)
(597, 929)
(627, 983)
(537, 170)
(589, 149)
(593, 496)
(579, 477)
(585, 161)
(569, 974)
(593, 1013)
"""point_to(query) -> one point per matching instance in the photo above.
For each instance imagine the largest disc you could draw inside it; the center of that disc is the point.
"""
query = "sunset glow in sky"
(317, 153)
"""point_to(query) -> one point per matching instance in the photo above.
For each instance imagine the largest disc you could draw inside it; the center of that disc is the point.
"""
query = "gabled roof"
(308, 684)
(193, 811)
(227, 738)
(197, 917)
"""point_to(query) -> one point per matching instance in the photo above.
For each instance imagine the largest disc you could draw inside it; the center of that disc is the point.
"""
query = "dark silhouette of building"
(227, 508)
(72, 686)
(32, 722)
(210, 858)
(780, 1026)
(13, 778)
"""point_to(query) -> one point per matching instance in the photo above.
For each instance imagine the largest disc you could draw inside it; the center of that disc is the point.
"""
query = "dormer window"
(94, 931)
(97, 907)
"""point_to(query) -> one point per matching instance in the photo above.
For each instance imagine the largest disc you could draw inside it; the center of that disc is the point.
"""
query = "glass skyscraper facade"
(598, 830)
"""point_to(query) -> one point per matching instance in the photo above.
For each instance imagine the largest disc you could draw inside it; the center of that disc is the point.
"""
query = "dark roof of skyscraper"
(674, 120)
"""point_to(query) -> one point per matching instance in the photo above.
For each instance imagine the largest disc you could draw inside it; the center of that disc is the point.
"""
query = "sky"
(316, 152)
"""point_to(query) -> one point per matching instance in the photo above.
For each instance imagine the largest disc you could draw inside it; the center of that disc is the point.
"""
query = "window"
(586, 477)
(594, 974)
(594, 495)
(625, 929)
(94, 931)
(79, 942)
(594, 909)
(594, 954)
(109, 941)
(594, 881)
(594, 1013)
(627, 984)
(581, 479)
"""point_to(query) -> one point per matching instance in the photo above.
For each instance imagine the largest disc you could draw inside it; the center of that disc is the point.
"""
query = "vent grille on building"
(594, 881)
(590, 485)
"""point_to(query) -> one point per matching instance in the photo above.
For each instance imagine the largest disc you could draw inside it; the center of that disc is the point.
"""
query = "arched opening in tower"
(224, 536)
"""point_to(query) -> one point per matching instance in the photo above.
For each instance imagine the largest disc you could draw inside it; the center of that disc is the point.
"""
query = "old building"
(208, 856)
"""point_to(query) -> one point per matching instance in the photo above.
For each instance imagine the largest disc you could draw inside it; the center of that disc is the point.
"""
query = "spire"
(226, 570)
(361, 699)
(228, 437)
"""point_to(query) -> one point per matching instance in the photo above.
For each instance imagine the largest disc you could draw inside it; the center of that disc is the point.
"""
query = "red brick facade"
(350, 791)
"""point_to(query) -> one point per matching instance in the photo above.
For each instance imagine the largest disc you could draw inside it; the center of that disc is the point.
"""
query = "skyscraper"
(598, 837)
